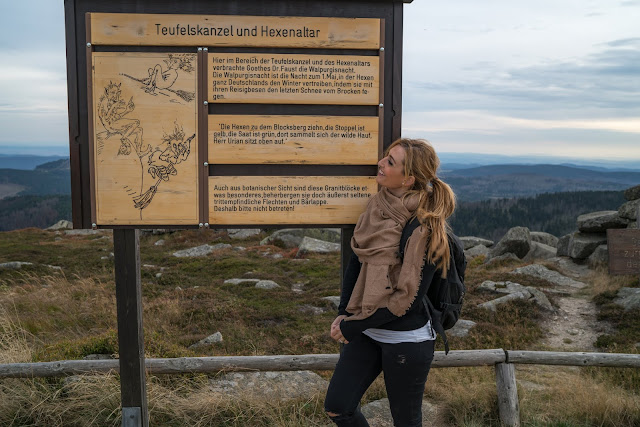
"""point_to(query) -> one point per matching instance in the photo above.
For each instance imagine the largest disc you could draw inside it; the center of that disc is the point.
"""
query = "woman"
(381, 320)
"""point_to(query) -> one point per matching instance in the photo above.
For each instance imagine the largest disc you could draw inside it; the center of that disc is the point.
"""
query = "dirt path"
(575, 326)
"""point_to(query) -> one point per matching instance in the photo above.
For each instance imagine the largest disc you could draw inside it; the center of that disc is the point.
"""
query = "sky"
(554, 78)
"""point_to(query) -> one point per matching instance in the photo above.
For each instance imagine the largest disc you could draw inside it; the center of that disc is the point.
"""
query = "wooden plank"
(508, 405)
(229, 30)
(461, 358)
(293, 79)
(455, 359)
(624, 251)
(145, 121)
(575, 358)
(337, 140)
(133, 390)
(253, 200)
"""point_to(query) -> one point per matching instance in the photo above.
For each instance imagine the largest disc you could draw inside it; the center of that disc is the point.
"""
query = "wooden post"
(133, 393)
(508, 405)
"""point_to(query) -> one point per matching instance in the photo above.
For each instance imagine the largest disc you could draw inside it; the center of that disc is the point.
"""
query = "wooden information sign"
(293, 79)
(145, 125)
(124, 29)
(624, 251)
(331, 140)
(289, 200)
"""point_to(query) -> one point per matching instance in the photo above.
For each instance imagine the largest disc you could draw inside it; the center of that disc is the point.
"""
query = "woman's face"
(391, 171)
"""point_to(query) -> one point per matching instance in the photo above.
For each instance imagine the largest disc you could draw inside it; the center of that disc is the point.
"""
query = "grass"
(55, 315)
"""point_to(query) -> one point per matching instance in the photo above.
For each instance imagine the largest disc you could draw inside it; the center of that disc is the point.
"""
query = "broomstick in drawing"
(173, 151)
(161, 78)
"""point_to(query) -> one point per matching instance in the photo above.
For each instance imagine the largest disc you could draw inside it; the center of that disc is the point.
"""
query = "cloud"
(598, 81)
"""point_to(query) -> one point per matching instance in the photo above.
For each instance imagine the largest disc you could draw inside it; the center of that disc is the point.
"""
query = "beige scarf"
(384, 280)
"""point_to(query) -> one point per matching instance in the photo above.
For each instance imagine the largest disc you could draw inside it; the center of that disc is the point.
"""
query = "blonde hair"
(437, 200)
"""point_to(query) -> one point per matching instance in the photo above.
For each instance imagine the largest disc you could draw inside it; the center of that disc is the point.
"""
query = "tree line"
(554, 213)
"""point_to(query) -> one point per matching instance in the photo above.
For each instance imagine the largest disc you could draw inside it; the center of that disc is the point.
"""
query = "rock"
(201, 250)
(632, 193)
(461, 328)
(633, 225)
(582, 245)
(269, 385)
(510, 288)
(158, 275)
(475, 251)
(501, 287)
(211, 339)
(98, 357)
(378, 414)
(311, 245)
(540, 298)
(546, 238)
(499, 259)
(471, 241)
(267, 284)
(562, 248)
(243, 233)
(600, 222)
(335, 300)
(14, 265)
(239, 281)
(569, 268)
(297, 288)
(292, 237)
(82, 232)
(629, 298)
(542, 272)
(629, 210)
(239, 248)
(310, 309)
(63, 224)
(159, 243)
(540, 251)
(599, 257)
(516, 241)
(493, 304)
(277, 256)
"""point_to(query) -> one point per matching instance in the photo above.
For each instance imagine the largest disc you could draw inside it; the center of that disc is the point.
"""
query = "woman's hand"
(336, 333)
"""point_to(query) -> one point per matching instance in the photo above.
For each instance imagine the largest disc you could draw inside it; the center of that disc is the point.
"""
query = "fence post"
(508, 405)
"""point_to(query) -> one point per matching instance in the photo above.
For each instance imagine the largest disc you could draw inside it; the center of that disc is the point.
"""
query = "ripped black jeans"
(405, 367)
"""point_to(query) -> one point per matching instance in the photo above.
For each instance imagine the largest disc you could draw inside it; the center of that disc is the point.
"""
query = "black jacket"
(415, 317)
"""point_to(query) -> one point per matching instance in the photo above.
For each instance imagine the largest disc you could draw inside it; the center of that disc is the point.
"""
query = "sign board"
(624, 251)
(179, 99)
(330, 140)
(121, 29)
(145, 136)
(294, 79)
(288, 199)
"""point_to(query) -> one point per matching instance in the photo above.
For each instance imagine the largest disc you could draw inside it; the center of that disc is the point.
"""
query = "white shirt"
(426, 333)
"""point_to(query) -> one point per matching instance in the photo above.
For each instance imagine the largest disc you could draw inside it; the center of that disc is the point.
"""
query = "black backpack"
(444, 303)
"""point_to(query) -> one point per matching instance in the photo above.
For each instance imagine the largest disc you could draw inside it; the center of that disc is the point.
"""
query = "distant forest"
(555, 213)
(33, 211)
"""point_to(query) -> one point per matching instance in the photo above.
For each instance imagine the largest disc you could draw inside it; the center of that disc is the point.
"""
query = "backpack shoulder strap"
(406, 232)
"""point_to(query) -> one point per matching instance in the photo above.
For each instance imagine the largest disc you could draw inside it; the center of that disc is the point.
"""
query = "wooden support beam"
(133, 389)
(508, 405)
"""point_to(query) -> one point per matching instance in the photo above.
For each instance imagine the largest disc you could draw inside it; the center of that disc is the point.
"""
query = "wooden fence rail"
(503, 360)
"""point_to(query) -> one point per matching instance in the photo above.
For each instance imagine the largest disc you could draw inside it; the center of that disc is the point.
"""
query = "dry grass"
(45, 316)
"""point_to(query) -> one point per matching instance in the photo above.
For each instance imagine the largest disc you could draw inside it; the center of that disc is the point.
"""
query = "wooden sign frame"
(387, 13)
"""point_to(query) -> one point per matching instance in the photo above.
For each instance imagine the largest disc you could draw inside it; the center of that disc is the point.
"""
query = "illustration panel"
(272, 78)
(331, 200)
(328, 140)
(145, 138)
